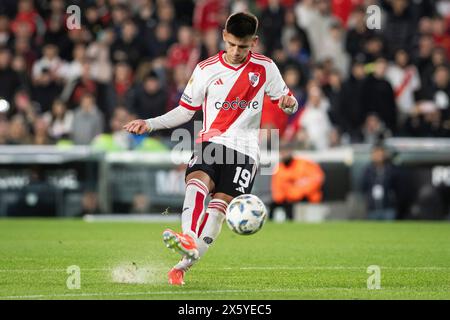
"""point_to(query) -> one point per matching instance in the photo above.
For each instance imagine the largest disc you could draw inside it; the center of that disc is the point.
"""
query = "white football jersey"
(232, 99)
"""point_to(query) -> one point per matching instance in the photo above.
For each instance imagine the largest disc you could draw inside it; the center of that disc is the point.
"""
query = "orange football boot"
(182, 243)
(176, 277)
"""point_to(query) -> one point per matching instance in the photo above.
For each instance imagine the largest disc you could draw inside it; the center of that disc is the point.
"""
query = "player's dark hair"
(242, 24)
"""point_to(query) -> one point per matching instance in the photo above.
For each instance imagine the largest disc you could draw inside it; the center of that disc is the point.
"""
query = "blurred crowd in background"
(132, 59)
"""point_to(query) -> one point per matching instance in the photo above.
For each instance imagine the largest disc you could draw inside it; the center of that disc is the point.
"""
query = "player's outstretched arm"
(169, 120)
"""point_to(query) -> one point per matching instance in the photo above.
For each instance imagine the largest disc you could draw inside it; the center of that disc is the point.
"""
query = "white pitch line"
(249, 268)
(96, 294)
(188, 292)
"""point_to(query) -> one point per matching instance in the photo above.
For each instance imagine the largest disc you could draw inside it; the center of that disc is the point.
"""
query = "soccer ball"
(246, 214)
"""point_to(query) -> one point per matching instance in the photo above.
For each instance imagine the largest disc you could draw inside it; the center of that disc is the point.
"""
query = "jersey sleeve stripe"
(212, 57)
(209, 63)
(184, 104)
(208, 60)
(260, 57)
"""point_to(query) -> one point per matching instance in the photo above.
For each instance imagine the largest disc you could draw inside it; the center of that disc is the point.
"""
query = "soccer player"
(229, 87)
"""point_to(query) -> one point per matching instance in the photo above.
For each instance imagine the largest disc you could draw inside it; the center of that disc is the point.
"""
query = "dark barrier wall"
(46, 181)
(53, 182)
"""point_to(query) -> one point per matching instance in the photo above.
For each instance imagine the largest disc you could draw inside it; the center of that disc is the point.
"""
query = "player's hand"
(137, 127)
(287, 104)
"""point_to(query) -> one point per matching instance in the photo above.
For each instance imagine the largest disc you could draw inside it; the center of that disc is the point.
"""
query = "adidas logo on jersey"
(218, 82)
(241, 189)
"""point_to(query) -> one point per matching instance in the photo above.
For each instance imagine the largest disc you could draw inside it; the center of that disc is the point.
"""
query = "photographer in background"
(378, 185)
(295, 180)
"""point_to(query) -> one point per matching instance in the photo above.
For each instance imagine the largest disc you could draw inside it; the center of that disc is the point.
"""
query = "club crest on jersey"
(253, 77)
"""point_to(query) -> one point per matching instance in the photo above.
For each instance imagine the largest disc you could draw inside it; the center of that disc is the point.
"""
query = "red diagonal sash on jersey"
(406, 80)
(243, 90)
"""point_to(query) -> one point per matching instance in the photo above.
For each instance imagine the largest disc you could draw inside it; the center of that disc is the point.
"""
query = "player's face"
(237, 49)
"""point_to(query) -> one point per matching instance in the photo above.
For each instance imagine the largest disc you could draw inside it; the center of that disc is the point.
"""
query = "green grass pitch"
(282, 261)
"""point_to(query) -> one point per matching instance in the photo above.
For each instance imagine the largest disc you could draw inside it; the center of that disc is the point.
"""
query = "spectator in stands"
(128, 47)
(180, 78)
(94, 23)
(27, 14)
(118, 139)
(56, 33)
(290, 30)
(318, 28)
(73, 69)
(18, 131)
(351, 102)
(438, 58)
(422, 57)
(149, 99)
(40, 132)
(5, 34)
(305, 12)
(427, 121)
(49, 63)
(207, 14)
(165, 12)
(332, 91)
(27, 108)
(160, 40)
(357, 33)
(373, 48)
(120, 90)
(318, 74)
(4, 130)
(119, 14)
(73, 91)
(374, 129)
(47, 76)
(88, 121)
(405, 81)
(334, 49)
(441, 34)
(98, 55)
(23, 47)
(399, 27)
(295, 80)
(9, 79)
(379, 96)
(271, 22)
(439, 90)
(59, 121)
(314, 122)
(378, 185)
(210, 43)
(185, 51)
(18, 64)
(295, 180)
(296, 52)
